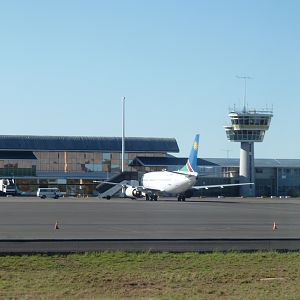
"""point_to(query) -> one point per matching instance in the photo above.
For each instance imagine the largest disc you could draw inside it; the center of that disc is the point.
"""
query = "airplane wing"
(199, 187)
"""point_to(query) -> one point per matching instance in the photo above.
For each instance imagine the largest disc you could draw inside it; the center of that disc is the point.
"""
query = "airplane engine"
(133, 192)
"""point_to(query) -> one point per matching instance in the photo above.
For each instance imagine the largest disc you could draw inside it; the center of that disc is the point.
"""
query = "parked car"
(49, 192)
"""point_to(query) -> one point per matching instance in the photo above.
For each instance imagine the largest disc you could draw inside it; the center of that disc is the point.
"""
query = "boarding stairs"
(107, 190)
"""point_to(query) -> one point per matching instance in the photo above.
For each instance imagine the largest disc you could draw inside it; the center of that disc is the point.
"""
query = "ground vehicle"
(48, 192)
(8, 187)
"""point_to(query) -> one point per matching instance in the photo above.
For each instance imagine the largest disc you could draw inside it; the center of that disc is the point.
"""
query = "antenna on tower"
(227, 152)
(245, 93)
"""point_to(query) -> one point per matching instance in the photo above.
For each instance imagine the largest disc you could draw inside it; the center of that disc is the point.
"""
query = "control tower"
(248, 127)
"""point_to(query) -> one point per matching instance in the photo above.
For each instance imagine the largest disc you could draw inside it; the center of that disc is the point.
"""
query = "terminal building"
(74, 164)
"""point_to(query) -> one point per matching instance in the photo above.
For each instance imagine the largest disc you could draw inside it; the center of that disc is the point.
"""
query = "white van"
(48, 192)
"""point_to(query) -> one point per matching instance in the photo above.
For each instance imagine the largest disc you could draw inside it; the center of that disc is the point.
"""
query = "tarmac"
(235, 223)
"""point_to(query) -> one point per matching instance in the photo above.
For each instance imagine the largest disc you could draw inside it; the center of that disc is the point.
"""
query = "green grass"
(119, 275)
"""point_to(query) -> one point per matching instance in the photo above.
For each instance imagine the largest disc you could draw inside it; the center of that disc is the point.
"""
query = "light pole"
(123, 132)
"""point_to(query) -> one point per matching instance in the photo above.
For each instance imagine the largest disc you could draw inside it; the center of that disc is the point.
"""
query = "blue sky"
(65, 65)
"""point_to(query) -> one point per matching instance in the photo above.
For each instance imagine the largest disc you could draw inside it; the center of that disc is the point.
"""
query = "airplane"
(179, 182)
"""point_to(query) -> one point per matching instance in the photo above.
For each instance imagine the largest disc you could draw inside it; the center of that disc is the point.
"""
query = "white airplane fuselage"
(169, 182)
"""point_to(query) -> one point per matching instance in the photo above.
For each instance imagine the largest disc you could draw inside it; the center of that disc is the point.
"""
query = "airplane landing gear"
(181, 198)
(154, 197)
(151, 197)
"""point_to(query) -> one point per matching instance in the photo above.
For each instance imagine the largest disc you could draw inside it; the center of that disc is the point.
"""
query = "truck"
(8, 187)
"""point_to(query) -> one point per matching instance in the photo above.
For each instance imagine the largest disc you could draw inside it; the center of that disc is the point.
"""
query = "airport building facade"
(74, 164)
(273, 177)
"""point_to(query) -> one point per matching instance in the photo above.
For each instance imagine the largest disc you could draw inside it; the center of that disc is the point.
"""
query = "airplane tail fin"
(191, 164)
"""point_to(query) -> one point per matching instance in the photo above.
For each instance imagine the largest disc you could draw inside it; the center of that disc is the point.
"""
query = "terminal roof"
(221, 162)
(259, 162)
(83, 143)
(166, 161)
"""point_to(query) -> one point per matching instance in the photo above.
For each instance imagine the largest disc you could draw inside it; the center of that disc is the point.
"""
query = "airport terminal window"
(80, 157)
(125, 156)
(89, 157)
(26, 163)
(115, 161)
(53, 167)
(133, 155)
(97, 157)
(106, 166)
(97, 167)
(115, 156)
(106, 156)
(115, 168)
(73, 167)
(71, 157)
(61, 157)
(87, 167)
(92, 167)
(44, 161)
(60, 167)
(53, 155)
(11, 164)
(78, 167)
(42, 155)
(44, 167)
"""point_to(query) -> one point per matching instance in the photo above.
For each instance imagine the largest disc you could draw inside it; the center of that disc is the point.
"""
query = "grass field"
(119, 275)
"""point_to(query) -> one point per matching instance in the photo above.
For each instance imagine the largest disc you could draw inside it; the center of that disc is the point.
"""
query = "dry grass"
(121, 275)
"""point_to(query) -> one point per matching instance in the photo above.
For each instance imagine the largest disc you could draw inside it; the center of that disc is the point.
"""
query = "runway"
(84, 220)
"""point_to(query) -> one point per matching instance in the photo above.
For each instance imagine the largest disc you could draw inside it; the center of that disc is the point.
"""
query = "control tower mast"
(247, 127)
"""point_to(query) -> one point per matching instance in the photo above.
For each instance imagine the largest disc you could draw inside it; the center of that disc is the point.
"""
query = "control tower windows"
(250, 120)
(245, 135)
